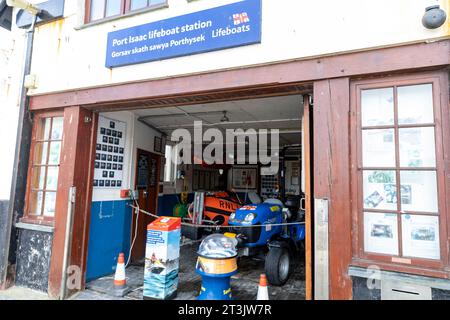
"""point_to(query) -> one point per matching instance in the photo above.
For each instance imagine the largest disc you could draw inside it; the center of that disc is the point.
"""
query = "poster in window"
(419, 191)
(380, 189)
(381, 233)
(245, 177)
(420, 235)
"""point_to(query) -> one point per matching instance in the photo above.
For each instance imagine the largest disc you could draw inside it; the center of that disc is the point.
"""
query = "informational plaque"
(380, 233)
(110, 153)
(142, 171)
(421, 236)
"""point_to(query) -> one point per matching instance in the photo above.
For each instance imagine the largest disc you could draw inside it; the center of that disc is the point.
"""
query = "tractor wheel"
(278, 266)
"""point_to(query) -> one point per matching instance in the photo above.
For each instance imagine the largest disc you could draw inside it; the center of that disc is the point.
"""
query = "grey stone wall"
(33, 259)
(3, 240)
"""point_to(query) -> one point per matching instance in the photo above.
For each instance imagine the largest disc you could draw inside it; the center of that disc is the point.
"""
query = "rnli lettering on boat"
(228, 205)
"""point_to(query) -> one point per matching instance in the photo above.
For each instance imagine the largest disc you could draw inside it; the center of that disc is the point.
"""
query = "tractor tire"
(278, 266)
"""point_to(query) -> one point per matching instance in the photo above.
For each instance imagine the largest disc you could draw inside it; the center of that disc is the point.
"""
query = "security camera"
(434, 17)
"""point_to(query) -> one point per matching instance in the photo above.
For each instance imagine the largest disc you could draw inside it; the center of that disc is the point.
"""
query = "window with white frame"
(170, 167)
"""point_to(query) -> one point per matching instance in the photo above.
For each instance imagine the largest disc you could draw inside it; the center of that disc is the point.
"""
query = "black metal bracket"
(51, 10)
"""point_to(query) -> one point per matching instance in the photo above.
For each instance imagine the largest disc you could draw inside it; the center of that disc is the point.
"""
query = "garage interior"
(178, 183)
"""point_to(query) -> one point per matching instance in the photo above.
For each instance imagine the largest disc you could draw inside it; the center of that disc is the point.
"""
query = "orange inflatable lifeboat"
(218, 207)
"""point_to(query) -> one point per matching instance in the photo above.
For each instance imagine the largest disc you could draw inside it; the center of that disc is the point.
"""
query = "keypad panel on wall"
(110, 153)
(269, 186)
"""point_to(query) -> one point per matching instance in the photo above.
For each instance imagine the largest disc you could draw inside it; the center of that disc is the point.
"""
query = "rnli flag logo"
(240, 18)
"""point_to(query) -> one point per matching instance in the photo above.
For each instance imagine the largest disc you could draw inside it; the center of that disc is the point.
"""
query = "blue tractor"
(257, 231)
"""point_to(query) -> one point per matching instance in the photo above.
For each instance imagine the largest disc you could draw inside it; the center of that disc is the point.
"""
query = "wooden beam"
(332, 176)
(76, 170)
(308, 199)
(386, 60)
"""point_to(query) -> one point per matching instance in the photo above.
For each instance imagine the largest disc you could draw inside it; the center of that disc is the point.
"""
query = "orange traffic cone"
(263, 292)
(119, 278)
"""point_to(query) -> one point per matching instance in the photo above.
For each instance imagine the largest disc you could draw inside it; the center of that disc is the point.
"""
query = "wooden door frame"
(434, 268)
(158, 171)
(308, 197)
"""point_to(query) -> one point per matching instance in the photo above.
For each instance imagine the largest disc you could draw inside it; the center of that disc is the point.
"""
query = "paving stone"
(244, 284)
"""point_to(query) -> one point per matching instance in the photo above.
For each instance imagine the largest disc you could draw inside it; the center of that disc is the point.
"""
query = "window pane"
(50, 204)
(36, 198)
(153, 2)
(420, 236)
(52, 178)
(380, 190)
(57, 128)
(168, 164)
(40, 153)
(381, 233)
(138, 4)
(415, 104)
(113, 7)
(97, 9)
(43, 132)
(419, 191)
(417, 147)
(378, 148)
(377, 107)
(55, 152)
(38, 178)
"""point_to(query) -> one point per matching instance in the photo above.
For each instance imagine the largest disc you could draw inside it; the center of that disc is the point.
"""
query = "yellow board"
(216, 266)
(230, 235)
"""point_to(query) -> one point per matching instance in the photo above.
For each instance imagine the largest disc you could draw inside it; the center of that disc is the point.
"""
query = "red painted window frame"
(434, 268)
(125, 9)
(29, 217)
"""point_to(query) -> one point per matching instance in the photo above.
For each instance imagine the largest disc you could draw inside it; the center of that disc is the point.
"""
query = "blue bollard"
(216, 264)
(215, 287)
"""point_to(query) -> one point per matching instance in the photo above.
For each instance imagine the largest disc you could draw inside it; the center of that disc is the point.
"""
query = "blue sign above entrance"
(233, 25)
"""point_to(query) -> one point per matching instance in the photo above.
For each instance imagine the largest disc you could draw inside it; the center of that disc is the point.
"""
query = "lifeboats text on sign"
(228, 26)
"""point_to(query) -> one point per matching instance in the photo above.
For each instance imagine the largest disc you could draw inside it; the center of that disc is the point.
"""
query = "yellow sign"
(230, 235)
(216, 266)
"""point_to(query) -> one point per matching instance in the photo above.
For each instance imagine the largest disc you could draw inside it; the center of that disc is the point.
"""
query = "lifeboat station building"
(353, 96)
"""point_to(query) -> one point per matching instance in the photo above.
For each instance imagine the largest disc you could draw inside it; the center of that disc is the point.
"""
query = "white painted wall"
(11, 58)
(67, 57)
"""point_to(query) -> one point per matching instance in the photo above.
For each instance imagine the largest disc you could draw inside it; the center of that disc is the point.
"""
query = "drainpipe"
(20, 169)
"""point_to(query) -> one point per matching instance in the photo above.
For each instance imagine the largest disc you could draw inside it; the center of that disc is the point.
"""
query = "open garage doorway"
(168, 185)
